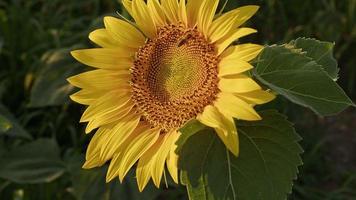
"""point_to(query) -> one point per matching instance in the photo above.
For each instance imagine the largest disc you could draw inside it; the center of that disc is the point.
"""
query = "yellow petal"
(223, 43)
(193, 7)
(102, 80)
(231, 138)
(257, 97)
(117, 160)
(93, 151)
(228, 67)
(102, 38)
(118, 58)
(245, 52)
(157, 12)
(245, 13)
(93, 161)
(136, 149)
(96, 142)
(170, 8)
(109, 116)
(108, 102)
(87, 97)
(123, 32)
(147, 160)
(114, 166)
(119, 134)
(222, 26)
(182, 12)
(238, 84)
(229, 21)
(128, 5)
(233, 106)
(224, 127)
(206, 15)
(211, 117)
(172, 159)
(143, 19)
(160, 158)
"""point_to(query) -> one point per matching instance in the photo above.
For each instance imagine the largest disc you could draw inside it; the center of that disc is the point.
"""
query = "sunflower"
(177, 61)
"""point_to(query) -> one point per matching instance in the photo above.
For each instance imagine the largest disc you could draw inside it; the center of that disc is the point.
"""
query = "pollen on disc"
(174, 76)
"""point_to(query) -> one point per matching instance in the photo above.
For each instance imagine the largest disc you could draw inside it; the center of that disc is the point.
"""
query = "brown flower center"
(174, 76)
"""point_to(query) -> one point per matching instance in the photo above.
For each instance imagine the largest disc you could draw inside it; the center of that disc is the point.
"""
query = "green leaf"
(35, 162)
(189, 129)
(5, 125)
(299, 78)
(9, 125)
(321, 52)
(265, 169)
(50, 87)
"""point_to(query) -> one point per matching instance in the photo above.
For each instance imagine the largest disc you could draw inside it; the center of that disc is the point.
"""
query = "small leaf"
(50, 87)
(321, 52)
(5, 125)
(291, 73)
(36, 162)
(9, 125)
(265, 169)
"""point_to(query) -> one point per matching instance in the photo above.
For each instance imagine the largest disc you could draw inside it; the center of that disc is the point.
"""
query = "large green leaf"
(321, 52)
(9, 125)
(265, 169)
(35, 162)
(50, 87)
(299, 78)
(190, 128)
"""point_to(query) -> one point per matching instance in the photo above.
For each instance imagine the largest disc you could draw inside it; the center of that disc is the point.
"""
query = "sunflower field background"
(43, 145)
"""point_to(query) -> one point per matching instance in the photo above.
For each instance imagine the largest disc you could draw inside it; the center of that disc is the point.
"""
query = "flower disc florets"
(175, 75)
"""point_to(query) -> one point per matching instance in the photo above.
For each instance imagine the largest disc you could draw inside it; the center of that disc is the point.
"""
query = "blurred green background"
(42, 143)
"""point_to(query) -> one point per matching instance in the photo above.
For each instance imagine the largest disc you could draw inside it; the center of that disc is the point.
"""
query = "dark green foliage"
(35, 162)
(51, 87)
(90, 184)
(9, 125)
(33, 31)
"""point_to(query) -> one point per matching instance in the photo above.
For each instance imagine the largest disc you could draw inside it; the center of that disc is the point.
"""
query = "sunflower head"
(175, 76)
(177, 61)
